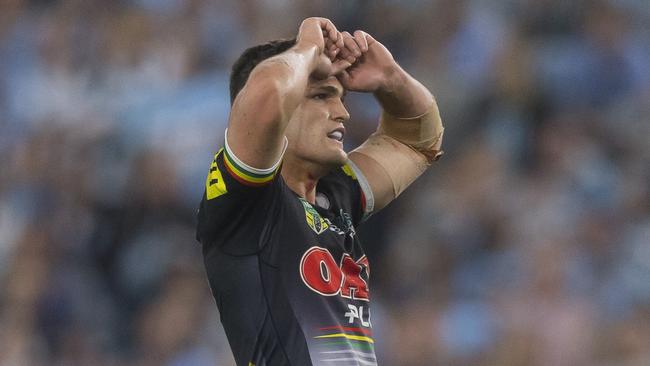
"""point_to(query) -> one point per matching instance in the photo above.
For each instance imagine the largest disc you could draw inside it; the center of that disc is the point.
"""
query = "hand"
(322, 33)
(372, 63)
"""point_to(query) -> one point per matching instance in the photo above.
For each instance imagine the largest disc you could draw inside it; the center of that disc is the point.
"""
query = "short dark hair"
(250, 58)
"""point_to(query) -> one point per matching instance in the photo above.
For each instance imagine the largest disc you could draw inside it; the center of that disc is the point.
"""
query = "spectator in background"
(544, 185)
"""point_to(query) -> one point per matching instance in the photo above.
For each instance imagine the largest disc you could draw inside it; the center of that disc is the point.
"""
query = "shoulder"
(349, 188)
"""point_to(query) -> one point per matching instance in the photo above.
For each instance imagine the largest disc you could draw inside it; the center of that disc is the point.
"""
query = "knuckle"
(315, 20)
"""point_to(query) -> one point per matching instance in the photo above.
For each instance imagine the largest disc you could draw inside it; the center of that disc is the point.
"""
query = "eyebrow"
(333, 90)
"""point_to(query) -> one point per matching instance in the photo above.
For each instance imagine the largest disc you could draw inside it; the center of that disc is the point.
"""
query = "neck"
(302, 177)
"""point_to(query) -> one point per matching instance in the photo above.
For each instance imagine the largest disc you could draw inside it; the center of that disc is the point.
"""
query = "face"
(316, 129)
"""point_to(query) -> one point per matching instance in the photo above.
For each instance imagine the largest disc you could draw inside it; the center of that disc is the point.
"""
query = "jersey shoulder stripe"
(246, 174)
(243, 176)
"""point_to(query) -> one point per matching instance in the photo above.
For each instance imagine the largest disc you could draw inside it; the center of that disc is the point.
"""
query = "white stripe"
(365, 187)
(361, 354)
(358, 360)
(250, 169)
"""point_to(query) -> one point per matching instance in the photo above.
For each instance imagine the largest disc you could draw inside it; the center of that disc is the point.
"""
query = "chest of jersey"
(326, 277)
(320, 245)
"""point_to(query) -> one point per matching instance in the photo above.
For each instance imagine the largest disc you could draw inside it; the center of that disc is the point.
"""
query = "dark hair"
(250, 58)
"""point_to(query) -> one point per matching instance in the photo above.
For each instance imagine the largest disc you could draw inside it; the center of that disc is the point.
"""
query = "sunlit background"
(527, 244)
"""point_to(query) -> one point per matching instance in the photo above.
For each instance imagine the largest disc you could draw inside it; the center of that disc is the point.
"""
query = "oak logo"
(320, 272)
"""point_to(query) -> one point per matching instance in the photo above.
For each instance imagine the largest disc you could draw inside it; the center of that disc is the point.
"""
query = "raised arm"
(410, 131)
(274, 89)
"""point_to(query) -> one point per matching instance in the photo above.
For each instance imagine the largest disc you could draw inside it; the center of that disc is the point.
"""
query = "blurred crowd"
(527, 244)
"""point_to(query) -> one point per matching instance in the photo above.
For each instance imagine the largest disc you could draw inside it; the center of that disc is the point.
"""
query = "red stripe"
(363, 203)
(243, 181)
(358, 330)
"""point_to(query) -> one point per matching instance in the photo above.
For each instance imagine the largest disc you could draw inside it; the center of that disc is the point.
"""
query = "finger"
(332, 52)
(335, 36)
(339, 41)
(360, 37)
(328, 26)
(346, 54)
(339, 38)
(329, 45)
(351, 44)
(369, 39)
(339, 66)
(344, 77)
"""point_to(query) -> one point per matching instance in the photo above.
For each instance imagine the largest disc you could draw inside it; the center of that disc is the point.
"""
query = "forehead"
(330, 82)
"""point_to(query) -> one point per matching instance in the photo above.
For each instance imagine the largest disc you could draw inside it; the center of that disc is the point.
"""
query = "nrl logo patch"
(315, 222)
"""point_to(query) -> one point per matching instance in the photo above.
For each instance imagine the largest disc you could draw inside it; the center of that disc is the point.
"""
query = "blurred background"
(527, 244)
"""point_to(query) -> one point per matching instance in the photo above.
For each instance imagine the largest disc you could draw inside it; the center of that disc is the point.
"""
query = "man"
(282, 200)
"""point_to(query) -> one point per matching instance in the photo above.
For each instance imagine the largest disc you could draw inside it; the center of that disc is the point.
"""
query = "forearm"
(276, 86)
(261, 111)
(407, 141)
(402, 96)
(283, 80)
(410, 114)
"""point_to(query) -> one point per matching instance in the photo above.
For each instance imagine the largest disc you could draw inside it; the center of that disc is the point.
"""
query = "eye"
(320, 96)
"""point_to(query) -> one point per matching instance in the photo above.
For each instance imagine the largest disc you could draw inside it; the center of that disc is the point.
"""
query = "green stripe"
(244, 170)
(362, 346)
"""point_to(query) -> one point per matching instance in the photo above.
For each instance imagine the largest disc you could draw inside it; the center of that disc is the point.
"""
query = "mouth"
(337, 134)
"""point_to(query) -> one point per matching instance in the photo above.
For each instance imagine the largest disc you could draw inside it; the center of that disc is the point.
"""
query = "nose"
(340, 113)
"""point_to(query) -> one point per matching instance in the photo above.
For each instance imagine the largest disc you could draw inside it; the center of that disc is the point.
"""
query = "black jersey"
(290, 278)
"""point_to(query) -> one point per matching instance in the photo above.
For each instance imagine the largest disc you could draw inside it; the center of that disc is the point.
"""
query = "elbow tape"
(401, 163)
(423, 133)
(405, 147)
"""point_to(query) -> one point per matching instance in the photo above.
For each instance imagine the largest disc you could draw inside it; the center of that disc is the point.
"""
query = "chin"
(338, 156)
(334, 161)
(343, 158)
(326, 157)
(340, 160)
